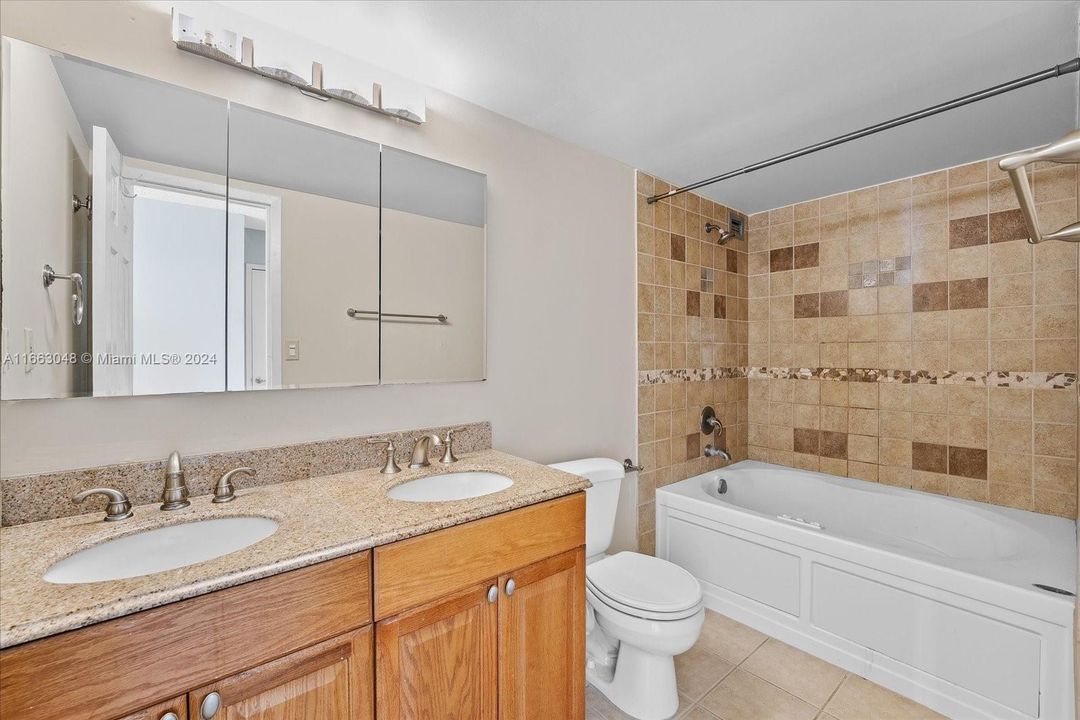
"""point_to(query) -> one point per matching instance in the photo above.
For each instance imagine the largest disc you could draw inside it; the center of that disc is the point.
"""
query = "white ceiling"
(687, 90)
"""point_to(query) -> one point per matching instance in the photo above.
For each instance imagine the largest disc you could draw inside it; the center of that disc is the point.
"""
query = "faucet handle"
(224, 491)
(448, 455)
(119, 507)
(390, 466)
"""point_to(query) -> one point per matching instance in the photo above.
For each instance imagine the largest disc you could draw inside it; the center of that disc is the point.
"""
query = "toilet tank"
(601, 500)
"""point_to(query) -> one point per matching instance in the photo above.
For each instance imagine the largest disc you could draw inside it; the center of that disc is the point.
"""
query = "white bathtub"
(929, 596)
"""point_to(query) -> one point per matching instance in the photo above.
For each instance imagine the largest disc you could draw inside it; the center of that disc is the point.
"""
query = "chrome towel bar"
(1065, 150)
(353, 312)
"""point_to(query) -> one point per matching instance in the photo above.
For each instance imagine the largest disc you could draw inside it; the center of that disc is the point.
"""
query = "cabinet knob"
(210, 705)
(170, 716)
(493, 593)
(511, 586)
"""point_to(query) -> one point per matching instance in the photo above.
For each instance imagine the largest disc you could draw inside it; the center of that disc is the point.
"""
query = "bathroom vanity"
(359, 606)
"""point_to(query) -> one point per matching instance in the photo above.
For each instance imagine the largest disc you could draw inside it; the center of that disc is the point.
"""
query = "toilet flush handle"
(511, 586)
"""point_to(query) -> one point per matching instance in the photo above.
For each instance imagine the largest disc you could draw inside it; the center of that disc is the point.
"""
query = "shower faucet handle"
(709, 423)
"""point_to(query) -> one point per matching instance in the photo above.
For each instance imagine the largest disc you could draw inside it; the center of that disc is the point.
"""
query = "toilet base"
(642, 685)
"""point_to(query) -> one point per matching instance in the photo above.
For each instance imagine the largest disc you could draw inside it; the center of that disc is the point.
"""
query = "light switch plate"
(292, 350)
(28, 349)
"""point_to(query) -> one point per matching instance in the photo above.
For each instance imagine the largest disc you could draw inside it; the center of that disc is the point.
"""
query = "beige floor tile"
(731, 640)
(698, 671)
(698, 713)
(742, 696)
(860, 699)
(801, 674)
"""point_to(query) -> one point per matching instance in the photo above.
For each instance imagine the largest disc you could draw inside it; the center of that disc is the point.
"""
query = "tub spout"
(711, 451)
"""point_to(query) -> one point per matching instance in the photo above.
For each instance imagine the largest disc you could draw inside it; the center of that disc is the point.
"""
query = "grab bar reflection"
(78, 303)
(353, 312)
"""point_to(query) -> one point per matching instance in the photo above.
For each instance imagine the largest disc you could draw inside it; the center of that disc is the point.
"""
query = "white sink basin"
(450, 486)
(163, 548)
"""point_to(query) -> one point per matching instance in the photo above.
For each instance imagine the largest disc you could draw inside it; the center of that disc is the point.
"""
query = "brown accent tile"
(806, 441)
(806, 256)
(967, 462)
(1006, 226)
(678, 247)
(693, 302)
(834, 304)
(967, 294)
(732, 261)
(928, 297)
(929, 457)
(781, 259)
(720, 307)
(693, 446)
(807, 306)
(967, 232)
(834, 445)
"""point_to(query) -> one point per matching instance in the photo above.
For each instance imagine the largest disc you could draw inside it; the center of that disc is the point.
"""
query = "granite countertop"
(320, 518)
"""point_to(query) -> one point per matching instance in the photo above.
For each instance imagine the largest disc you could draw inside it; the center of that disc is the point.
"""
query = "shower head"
(724, 235)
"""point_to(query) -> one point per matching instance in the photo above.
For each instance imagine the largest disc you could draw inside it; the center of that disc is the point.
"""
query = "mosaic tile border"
(992, 378)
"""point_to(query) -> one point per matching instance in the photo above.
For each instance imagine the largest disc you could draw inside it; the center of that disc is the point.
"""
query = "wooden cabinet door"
(542, 640)
(177, 706)
(440, 661)
(330, 680)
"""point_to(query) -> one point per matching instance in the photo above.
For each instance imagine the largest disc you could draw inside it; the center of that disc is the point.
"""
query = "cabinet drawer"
(119, 666)
(419, 570)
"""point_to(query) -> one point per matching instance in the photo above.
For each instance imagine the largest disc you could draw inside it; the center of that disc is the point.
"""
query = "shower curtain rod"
(1056, 71)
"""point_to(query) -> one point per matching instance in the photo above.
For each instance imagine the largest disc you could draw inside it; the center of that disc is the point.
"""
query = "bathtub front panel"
(983, 654)
(761, 573)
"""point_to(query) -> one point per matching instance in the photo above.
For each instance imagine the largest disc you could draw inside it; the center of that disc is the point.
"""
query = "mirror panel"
(145, 164)
(303, 249)
(197, 245)
(433, 264)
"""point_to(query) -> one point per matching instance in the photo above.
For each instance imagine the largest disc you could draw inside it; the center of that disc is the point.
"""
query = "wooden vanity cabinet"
(542, 640)
(128, 665)
(482, 620)
(330, 680)
(500, 631)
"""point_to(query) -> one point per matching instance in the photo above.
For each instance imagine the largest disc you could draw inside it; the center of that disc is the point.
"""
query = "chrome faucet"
(119, 508)
(225, 491)
(175, 494)
(422, 449)
(711, 451)
(711, 425)
(448, 455)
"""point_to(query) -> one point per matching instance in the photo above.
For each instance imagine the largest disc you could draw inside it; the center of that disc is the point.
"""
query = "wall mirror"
(160, 240)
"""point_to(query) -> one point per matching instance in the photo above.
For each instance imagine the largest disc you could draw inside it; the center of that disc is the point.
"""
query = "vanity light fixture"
(232, 48)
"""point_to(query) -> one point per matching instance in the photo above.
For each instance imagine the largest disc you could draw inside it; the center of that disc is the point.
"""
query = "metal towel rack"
(1065, 150)
(78, 303)
(353, 312)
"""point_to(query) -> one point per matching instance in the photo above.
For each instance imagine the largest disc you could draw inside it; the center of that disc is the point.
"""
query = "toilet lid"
(644, 582)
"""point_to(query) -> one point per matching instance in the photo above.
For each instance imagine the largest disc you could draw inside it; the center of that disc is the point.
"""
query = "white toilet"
(642, 610)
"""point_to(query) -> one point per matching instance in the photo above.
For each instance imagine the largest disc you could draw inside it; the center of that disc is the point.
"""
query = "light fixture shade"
(281, 60)
(348, 85)
(191, 34)
(404, 102)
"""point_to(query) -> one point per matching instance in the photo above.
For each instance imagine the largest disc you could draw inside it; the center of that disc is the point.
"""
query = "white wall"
(561, 300)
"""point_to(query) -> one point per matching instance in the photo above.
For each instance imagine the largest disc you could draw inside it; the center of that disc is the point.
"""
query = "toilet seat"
(644, 586)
